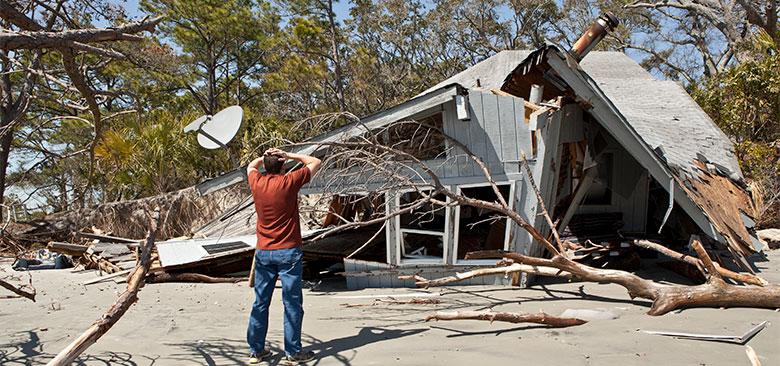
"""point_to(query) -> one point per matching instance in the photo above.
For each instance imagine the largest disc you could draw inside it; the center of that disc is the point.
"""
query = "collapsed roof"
(656, 121)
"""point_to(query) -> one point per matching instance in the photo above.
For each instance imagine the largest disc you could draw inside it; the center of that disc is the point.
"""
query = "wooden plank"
(523, 133)
(391, 231)
(67, 248)
(107, 238)
(507, 126)
(106, 277)
(545, 172)
(122, 258)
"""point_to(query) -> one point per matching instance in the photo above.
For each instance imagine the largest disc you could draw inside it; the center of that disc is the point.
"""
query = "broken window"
(421, 231)
(479, 228)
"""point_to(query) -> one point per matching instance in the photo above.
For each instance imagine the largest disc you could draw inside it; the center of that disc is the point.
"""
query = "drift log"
(538, 318)
(134, 283)
(746, 278)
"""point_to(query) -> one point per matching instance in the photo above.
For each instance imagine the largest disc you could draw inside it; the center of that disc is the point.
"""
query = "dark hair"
(272, 164)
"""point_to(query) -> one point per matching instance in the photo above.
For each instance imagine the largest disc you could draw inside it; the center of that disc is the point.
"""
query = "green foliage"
(744, 102)
(153, 155)
(287, 60)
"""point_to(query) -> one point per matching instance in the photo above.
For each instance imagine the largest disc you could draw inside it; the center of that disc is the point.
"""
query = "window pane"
(422, 246)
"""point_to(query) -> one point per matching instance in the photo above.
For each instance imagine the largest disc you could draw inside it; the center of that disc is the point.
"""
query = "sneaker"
(255, 358)
(302, 357)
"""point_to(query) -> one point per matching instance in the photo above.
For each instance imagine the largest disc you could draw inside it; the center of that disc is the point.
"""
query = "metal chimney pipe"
(605, 23)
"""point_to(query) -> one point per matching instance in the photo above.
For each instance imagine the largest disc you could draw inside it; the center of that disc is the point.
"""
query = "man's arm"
(309, 161)
(254, 165)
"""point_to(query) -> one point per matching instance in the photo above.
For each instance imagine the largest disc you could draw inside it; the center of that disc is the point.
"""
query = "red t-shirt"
(276, 203)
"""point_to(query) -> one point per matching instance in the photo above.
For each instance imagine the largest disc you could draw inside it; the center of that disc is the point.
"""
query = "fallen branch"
(161, 277)
(19, 291)
(392, 301)
(512, 268)
(746, 278)
(714, 293)
(538, 318)
(126, 299)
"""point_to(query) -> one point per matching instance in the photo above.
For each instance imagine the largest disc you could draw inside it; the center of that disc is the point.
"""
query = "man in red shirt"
(278, 253)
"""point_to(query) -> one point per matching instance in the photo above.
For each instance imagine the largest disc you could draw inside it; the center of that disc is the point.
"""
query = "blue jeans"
(286, 264)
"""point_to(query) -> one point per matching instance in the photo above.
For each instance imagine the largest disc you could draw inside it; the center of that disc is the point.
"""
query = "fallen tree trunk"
(538, 318)
(714, 293)
(74, 250)
(126, 299)
(161, 277)
(746, 278)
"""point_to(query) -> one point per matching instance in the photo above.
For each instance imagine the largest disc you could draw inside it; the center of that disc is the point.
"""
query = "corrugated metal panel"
(173, 253)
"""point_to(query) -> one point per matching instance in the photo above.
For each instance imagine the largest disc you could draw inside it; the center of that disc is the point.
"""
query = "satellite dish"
(216, 131)
(195, 125)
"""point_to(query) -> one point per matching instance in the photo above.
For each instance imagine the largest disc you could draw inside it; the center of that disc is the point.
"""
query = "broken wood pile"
(114, 257)
(107, 254)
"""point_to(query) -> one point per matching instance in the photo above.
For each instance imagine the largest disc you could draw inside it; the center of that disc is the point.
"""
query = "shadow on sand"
(234, 352)
(27, 349)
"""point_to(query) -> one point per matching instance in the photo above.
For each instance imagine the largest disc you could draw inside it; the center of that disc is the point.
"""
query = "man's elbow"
(314, 166)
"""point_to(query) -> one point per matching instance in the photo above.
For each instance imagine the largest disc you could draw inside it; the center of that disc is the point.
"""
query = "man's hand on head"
(282, 155)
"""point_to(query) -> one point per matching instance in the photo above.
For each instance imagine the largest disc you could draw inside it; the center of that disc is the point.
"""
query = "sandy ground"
(205, 324)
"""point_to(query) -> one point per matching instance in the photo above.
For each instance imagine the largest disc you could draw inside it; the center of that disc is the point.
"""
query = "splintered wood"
(724, 203)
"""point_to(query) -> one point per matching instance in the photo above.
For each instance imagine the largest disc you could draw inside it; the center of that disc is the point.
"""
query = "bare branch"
(64, 39)
(538, 318)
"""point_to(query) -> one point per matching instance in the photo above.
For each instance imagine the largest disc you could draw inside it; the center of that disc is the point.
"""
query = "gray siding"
(496, 131)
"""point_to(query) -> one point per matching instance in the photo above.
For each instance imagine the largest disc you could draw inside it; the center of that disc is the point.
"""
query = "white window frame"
(400, 260)
(509, 224)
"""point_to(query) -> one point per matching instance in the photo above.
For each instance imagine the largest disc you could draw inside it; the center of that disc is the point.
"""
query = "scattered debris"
(771, 237)
(41, 259)
(738, 339)
(136, 279)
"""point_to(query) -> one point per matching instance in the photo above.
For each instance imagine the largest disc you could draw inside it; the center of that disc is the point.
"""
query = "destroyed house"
(616, 155)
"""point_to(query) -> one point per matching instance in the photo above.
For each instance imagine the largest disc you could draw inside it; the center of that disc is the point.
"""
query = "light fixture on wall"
(462, 107)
